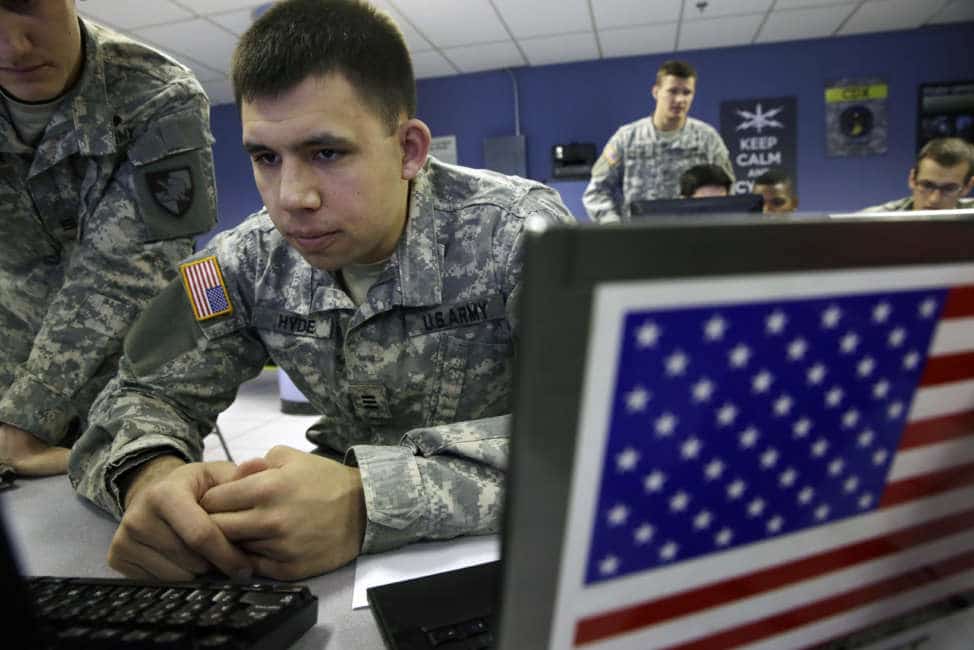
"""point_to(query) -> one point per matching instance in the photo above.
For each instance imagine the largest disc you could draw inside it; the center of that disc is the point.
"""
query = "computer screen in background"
(736, 204)
(769, 444)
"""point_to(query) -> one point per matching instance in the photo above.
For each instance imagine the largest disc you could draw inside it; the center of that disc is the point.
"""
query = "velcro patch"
(204, 285)
(611, 154)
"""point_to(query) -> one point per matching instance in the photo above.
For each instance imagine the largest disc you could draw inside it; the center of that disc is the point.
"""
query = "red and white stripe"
(915, 549)
(201, 276)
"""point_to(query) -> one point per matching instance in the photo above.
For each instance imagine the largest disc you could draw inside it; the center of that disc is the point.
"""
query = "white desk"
(58, 533)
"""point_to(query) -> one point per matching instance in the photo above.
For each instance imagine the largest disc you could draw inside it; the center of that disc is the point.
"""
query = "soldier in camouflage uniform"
(942, 176)
(95, 129)
(382, 281)
(645, 159)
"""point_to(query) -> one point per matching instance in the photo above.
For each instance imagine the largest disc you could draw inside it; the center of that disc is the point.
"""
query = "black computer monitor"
(707, 205)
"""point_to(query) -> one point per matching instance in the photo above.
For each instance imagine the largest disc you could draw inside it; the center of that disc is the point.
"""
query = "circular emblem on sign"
(856, 121)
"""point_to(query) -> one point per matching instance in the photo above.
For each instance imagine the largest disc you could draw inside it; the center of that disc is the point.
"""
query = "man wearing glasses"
(944, 173)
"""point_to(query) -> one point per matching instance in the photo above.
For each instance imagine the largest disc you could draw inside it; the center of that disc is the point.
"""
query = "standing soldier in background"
(644, 159)
(105, 177)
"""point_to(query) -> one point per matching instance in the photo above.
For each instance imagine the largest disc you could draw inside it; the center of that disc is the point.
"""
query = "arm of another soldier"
(146, 429)
(720, 156)
(603, 197)
(129, 244)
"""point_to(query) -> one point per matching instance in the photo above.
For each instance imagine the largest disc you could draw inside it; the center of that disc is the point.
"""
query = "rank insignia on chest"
(204, 285)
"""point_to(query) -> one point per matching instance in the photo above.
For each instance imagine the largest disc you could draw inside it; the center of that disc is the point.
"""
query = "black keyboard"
(93, 613)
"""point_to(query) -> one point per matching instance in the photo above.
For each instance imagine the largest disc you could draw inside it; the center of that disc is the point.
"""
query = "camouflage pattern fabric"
(85, 242)
(907, 204)
(414, 385)
(639, 164)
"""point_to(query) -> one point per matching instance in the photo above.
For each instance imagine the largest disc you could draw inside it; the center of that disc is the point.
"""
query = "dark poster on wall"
(761, 134)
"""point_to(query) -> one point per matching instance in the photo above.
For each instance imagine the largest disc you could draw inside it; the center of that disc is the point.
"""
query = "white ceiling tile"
(794, 4)
(431, 64)
(814, 22)
(717, 8)
(236, 21)
(645, 39)
(217, 6)
(198, 39)
(203, 73)
(722, 32)
(544, 17)
(448, 23)
(626, 13)
(219, 91)
(560, 49)
(958, 11)
(889, 15)
(486, 56)
(414, 41)
(128, 15)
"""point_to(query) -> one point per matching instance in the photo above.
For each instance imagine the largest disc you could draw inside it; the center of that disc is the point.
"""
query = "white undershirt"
(30, 120)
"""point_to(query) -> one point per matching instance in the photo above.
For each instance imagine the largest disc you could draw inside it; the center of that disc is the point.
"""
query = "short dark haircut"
(948, 152)
(700, 175)
(297, 39)
(680, 69)
(776, 177)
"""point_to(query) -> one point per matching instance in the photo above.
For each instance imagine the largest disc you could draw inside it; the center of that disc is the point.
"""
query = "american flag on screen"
(739, 425)
(204, 286)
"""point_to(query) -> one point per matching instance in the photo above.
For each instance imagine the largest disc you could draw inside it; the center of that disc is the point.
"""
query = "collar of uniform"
(83, 122)
(418, 254)
(9, 140)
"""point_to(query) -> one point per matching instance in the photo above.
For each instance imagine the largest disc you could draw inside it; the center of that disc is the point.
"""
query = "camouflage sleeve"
(603, 197)
(131, 238)
(174, 379)
(720, 156)
(448, 480)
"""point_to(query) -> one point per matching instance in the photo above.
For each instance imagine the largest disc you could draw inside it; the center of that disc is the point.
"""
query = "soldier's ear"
(414, 140)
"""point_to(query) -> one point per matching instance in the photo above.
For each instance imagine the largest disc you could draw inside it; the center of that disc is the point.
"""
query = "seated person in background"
(778, 191)
(105, 177)
(382, 281)
(704, 180)
(944, 173)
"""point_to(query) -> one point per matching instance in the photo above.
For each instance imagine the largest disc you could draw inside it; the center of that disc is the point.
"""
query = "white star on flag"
(822, 512)
(609, 565)
(880, 389)
(865, 367)
(702, 390)
(881, 312)
(788, 477)
(806, 495)
(849, 343)
(820, 447)
(866, 438)
(836, 467)
(690, 449)
(776, 321)
(896, 337)
(647, 335)
(797, 349)
(668, 551)
(895, 410)
(654, 481)
(748, 437)
(762, 382)
(927, 308)
(834, 397)
(665, 424)
(865, 501)
(850, 419)
(755, 508)
(736, 489)
(726, 415)
(739, 356)
(676, 363)
(802, 427)
(769, 458)
(851, 484)
(702, 520)
(831, 317)
(714, 328)
(775, 524)
(911, 360)
(714, 469)
(816, 374)
(618, 515)
(880, 456)
(724, 537)
(626, 461)
(679, 501)
(782, 405)
(636, 399)
(644, 534)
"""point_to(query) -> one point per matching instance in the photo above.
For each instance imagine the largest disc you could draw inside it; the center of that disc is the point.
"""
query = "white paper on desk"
(419, 560)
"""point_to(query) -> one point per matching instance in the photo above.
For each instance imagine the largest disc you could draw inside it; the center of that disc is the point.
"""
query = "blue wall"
(587, 101)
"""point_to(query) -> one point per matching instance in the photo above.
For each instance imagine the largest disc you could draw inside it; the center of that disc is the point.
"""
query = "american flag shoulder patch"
(206, 289)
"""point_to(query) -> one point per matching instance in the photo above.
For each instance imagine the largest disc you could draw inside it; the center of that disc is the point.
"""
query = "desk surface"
(57, 533)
